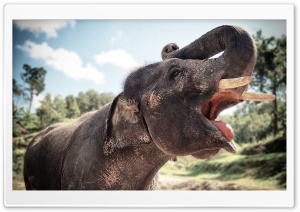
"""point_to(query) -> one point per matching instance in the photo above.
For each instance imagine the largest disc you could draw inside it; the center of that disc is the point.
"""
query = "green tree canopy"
(59, 105)
(17, 90)
(45, 111)
(251, 122)
(270, 72)
(34, 78)
(72, 107)
(92, 100)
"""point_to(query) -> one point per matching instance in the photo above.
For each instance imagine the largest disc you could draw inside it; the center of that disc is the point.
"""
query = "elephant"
(167, 109)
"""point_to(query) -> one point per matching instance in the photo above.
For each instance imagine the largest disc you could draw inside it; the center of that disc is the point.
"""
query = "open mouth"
(231, 92)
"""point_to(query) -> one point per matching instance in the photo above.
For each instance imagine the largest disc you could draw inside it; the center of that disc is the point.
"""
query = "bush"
(269, 146)
(18, 161)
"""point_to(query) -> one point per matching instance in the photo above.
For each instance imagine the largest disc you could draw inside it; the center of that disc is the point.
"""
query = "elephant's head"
(175, 103)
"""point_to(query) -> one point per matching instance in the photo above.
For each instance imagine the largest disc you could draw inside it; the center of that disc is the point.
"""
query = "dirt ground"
(172, 182)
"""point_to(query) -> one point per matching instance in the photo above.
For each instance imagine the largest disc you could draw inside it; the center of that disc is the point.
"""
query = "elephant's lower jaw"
(210, 153)
(206, 154)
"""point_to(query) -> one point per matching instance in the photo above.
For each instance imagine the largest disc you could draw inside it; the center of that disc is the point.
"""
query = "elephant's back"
(46, 153)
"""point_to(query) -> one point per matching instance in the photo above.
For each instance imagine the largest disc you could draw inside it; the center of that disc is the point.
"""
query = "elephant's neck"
(135, 167)
(132, 157)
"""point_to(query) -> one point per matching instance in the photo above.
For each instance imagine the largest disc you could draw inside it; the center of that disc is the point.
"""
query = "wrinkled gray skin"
(164, 111)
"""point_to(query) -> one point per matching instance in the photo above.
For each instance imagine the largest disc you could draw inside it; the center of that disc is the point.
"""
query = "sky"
(98, 54)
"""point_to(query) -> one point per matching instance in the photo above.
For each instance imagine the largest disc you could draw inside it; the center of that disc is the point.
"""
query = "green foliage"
(251, 122)
(23, 122)
(51, 112)
(270, 73)
(18, 90)
(17, 113)
(19, 149)
(270, 145)
(35, 78)
(91, 100)
(72, 107)
(18, 161)
(59, 109)
(46, 111)
(270, 69)
(83, 102)
(16, 130)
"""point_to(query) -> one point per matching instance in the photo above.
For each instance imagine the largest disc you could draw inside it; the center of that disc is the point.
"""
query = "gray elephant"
(167, 109)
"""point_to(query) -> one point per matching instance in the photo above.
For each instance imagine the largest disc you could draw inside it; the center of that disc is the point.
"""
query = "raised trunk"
(239, 55)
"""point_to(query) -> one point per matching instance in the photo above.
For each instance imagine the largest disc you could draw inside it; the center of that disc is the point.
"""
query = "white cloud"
(62, 60)
(49, 27)
(119, 35)
(118, 57)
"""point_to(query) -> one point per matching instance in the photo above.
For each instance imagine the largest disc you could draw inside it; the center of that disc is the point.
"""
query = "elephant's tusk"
(234, 82)
(257, 96)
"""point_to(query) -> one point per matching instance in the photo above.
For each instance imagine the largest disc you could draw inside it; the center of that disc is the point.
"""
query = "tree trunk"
(275, 110)
(30, 101)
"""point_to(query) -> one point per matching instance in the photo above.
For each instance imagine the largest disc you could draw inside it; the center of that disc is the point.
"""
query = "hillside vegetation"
(257, 166)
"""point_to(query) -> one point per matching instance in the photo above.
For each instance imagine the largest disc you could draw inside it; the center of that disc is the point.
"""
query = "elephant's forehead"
(171, 62)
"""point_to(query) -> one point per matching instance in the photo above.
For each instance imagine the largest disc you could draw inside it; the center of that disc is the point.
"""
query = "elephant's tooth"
(234, 82)
(257, 96)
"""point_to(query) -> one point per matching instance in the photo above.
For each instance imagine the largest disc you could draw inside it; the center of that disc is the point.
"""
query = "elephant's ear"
(125, 126)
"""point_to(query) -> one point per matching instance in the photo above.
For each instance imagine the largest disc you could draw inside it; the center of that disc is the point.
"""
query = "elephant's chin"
(210, 153)
(206, 154)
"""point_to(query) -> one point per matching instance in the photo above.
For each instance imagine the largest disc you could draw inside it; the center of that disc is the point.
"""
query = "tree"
(45, 111)
(251, 122)
(17, 113)
(92, 100)
(17, 92)
(59, 106)
(105, 98)
(72, 107)
(270, 71)
(17, 89)
(35, 78)
(83, 102)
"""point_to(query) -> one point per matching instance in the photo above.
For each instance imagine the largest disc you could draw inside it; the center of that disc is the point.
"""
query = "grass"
(260, 165)
(19, 149)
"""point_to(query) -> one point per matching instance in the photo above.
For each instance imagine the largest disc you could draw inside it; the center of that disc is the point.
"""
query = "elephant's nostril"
(174, 48)
(171, 48)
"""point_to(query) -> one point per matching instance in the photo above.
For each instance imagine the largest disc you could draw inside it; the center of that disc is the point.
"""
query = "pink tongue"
(225, 129)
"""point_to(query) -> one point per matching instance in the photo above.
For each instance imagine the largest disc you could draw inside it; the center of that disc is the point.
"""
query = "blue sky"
(98, 54)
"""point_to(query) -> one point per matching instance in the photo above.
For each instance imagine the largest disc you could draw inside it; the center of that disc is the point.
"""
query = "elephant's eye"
(175, 73)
